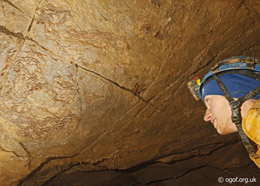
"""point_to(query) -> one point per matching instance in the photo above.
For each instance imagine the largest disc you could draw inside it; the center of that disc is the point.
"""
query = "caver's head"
(239, 75)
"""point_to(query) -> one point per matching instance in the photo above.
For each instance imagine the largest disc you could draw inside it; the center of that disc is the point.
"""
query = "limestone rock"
(103, 83)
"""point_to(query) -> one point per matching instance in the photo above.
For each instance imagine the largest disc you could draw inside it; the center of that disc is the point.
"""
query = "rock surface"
(102, 84)
(211, 168)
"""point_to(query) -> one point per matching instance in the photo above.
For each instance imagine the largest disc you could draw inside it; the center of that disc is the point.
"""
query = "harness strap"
(246, 142)
(236, 116)
(250, 94)
(223, 88)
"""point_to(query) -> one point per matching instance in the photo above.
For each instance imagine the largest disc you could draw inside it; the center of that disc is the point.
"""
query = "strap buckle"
(235, 105)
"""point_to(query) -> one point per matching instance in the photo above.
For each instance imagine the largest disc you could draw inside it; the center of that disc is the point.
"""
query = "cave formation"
(94, 92)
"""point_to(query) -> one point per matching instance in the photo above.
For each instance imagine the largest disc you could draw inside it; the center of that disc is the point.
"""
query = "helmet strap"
(236, 115)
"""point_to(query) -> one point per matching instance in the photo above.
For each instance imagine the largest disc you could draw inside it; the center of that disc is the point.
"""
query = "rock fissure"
(130, 110)
(156, 78)
(11, 4)
(33, 18)
(178, 176)
(13, 152)
(60, 173)
(243, 33)
(178, 79)
(190, 170)
(210, 148)
(150, 163)
(38, 44)
(59, 170)
(115, 83)
(207, 64)
(30, 26)
(78, 87)
(25, 149)
(6, 31)
(38, 169)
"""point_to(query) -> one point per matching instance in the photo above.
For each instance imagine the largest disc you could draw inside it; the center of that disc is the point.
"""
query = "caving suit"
(251, 127)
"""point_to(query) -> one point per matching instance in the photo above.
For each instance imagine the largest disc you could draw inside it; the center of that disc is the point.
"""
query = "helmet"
(239, 74)
(236, 77)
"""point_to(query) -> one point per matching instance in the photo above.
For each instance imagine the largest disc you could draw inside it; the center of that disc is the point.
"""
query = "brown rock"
(103, 83)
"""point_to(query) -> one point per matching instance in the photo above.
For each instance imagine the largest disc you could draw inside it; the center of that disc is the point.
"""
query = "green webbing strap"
(235, 108)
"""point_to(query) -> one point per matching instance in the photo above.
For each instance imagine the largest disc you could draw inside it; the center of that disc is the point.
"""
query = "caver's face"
(219, 114)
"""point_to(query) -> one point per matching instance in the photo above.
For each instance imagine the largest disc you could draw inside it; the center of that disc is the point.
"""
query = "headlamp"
(194, 88)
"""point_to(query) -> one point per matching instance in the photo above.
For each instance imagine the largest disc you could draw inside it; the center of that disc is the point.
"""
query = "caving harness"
(245, 66)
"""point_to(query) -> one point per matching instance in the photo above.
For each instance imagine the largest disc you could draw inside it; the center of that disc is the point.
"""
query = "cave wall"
(225, 165)
(103, 83)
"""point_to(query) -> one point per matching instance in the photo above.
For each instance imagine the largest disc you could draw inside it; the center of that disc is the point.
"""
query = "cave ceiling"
(103, 83)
